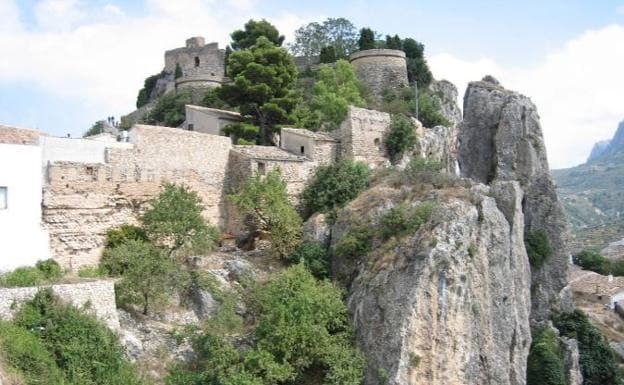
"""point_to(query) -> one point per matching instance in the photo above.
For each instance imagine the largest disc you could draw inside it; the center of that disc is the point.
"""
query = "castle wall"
(83, 200)
(362, 136)
(98, 296)
(380, 69)
(203, 65)
(76, 150)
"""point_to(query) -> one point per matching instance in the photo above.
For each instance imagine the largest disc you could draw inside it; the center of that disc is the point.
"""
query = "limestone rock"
(500, 139)
(316, 228)
(204, 305)
(450, 304)
(446, 92)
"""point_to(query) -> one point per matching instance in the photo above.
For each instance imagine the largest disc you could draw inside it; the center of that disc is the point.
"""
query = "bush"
(545, 363)
(597, 359)
(147, 275)
(23, 351)
(175, 220)
(328, 54)
(429, 111)
(590, 260)
(87, 352)
(356, 241)
(403, 220)
(265, 200)
(401, 136)
(314, 257)
(169, 109)
(333, 186)
(43, 272)
(537, 247)
(243, 133)
(148, 85)
(123, 233)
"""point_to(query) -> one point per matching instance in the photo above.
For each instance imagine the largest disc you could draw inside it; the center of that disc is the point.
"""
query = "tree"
(367, 39)
(243, 133)
(400, 137)
(264, 78)
(417, 69)
(96, 128)
(170, 109)
(148, 276)
(148, 86)
(393, 42)
(338, 33)
(244, 39)
(545, 363)
(265, 200)
(328, 54)
(334, 185)
(175, 220)
(314, 257)
(336, 89)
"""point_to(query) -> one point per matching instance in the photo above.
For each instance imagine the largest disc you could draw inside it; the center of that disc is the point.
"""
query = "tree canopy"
(338, 33)
(247, 37)
(367, 39)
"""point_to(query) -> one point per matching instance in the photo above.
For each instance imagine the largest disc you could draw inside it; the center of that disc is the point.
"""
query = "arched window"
(196, 61)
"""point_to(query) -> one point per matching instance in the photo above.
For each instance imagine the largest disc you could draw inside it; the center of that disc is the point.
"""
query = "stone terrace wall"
(98, 296)
(83, 200)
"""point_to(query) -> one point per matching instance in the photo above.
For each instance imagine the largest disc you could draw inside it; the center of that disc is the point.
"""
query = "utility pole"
(416, 99)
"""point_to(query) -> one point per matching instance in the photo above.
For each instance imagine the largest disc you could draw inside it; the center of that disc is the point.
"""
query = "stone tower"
(380, 69)
(203, 65)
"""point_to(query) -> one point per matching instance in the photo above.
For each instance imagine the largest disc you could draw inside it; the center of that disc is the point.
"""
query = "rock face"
(449, 304)
(446, 92)
(500, 139)
(612, 150)
(598, 149)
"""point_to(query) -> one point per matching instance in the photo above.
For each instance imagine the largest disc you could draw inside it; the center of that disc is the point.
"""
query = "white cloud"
(577, 90)
(59, 15)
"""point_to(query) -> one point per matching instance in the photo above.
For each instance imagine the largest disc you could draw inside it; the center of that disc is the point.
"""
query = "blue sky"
(68, 63)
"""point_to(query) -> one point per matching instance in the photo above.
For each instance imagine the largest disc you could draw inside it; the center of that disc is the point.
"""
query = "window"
(196, 61)
(191, 127)
(90, 170)
(377, 142)
(3, 197)
(302, 149)
(261, 168)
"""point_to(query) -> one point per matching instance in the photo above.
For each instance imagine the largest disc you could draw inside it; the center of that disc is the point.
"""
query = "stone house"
(593, 287)
(208, 120)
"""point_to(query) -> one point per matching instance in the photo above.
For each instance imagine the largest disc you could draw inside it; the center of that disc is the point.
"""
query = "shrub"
(537, 247)
(400, 137)
(123, 233)
(314, 257)
(545, 363)
(144, 94)
(175, 220)
(243, 133)
(43, 272)
(597, 360)
(328, 54)
(169, 109)
(91, 272)
(265, 200)
(333, 186)
(403, 220)
(147, 273)
(590, 260)
(50, 269)
(429, 111)
(24, 351)
(86, 351)
(356, 241)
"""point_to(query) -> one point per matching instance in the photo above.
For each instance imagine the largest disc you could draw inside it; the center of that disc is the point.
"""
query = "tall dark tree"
(417, 69)
(393, 42)
(367, 39)
(243, 39)
(328, 54)
(264, 78)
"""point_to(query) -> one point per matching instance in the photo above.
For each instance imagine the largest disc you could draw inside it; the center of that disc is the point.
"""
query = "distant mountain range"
(593, 194)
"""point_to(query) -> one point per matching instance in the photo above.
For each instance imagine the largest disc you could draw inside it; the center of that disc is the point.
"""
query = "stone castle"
(93, 184)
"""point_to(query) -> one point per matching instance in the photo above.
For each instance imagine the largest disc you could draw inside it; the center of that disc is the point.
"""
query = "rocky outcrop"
(500, 139)
(612, 150)
(598, 149)
(446, 92)
(450, 303)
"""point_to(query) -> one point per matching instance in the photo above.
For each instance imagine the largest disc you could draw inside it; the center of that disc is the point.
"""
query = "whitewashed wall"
(22, 239)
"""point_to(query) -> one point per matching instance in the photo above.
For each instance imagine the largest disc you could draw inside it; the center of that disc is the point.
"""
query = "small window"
(302, 149)
(196, 61)
(599, 297)
(90, 171)
(3, 198)
(261, 168)
(377, 142)
(191, 127)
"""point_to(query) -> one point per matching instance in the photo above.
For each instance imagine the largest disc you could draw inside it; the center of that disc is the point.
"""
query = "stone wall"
(98, 296)
(16, 135)
(56, 149)
(203, 65)
(82, 201)
(362, 135)
(380, 69)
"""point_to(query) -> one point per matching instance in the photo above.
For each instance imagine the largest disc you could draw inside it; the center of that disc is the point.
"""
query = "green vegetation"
(169, 109)
(338, 35)
(598, 362)
(429, 110)
(402, 220)
(545, 364)
(265, 200)
(175, 221)
(356, 241)
(420, 171)
(243, 133)
(264, 78)
(123, 233)
(417, 69)
(328, 54)
(393, 42)
(367, 39)
(95, 129)
(403, 101)
(537, 247)
(314, 256)
(302, 330)
(148, 86)
(86, 352)
(248, 37)
(401, 136)
(333, 186)
(42, 273)
(591, 260)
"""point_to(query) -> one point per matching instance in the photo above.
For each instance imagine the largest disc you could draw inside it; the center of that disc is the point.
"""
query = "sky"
(66, 63)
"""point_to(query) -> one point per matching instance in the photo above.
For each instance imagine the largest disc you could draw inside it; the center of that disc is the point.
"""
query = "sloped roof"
(584, 281)
(216, 111)
(310, 134)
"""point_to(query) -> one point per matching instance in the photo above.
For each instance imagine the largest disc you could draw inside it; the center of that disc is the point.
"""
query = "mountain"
(592, 194)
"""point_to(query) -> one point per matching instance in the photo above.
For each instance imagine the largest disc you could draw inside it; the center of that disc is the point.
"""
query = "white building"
(23, 241)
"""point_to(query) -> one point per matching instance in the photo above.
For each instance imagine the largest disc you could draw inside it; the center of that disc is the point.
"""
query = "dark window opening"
(191, 127)
(90, 171)
(196, 61)
(261, 168)
(377, 142)
(302, 149)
